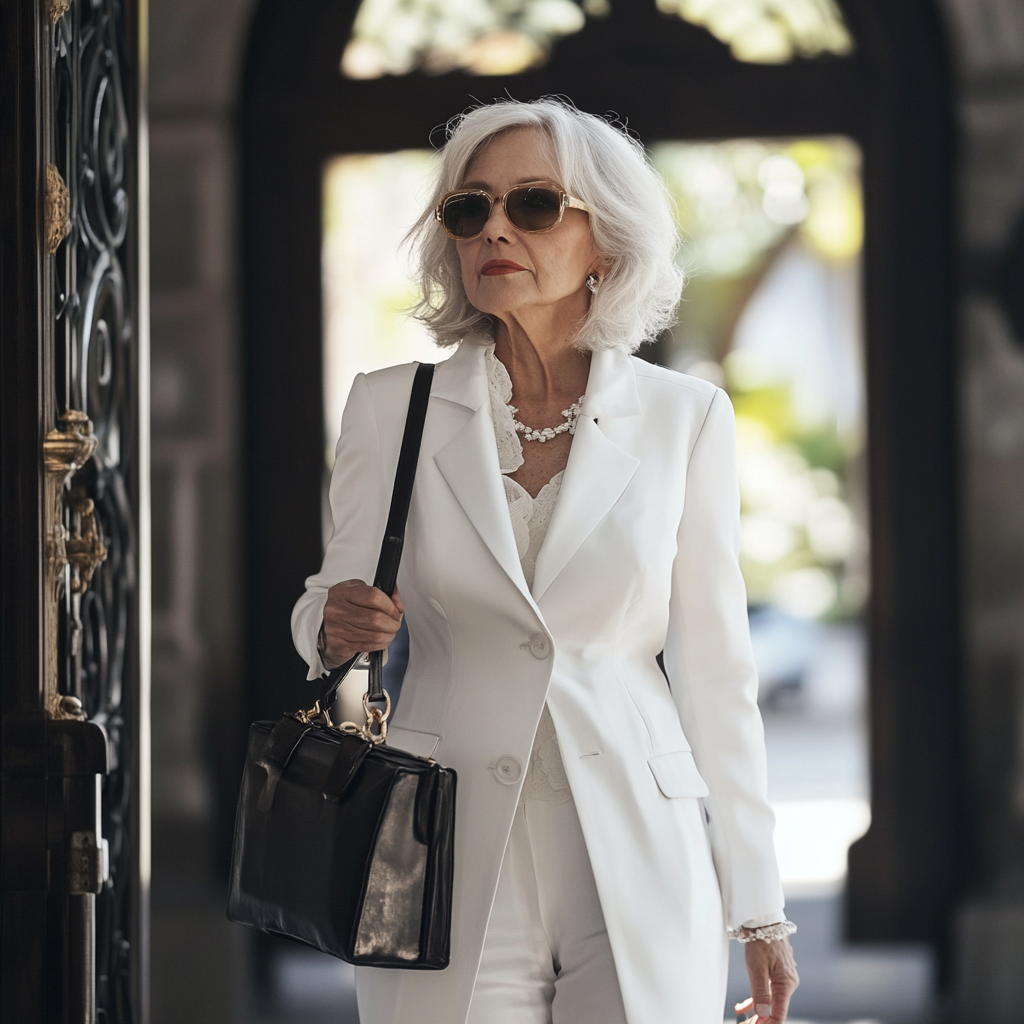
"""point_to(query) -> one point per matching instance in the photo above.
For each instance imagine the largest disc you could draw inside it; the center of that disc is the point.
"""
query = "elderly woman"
(575, 516)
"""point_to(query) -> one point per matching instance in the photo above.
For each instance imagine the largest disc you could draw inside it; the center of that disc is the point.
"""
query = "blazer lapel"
(469, 461)
(598, 470)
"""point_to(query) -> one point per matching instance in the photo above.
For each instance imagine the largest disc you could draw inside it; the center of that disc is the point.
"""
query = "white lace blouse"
(545, 776)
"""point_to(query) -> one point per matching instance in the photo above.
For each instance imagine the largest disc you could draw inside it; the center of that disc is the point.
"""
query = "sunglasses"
(531, 208)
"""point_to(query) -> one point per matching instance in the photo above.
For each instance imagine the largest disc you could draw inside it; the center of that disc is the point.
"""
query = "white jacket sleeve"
(710, 665)
(359, 511)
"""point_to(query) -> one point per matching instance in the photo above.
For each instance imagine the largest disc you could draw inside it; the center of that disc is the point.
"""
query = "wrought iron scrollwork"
(94, 555)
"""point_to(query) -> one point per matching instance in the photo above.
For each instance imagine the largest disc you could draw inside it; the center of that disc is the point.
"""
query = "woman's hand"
(359, 618)
(771, 968)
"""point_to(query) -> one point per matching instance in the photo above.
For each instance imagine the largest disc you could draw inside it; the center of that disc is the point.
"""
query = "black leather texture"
(345, 845)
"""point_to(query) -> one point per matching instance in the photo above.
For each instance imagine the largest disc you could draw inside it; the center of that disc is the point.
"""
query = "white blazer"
(640, 557)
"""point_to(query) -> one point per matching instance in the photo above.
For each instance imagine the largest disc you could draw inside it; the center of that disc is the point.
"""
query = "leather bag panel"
(364, 874)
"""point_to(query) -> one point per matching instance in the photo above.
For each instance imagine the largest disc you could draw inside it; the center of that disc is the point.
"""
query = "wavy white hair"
(631, 223)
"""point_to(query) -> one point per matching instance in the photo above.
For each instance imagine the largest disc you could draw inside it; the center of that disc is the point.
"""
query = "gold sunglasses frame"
(565, 202)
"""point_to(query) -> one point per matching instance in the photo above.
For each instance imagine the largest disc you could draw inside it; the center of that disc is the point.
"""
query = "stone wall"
(989, 42)
(196, 49)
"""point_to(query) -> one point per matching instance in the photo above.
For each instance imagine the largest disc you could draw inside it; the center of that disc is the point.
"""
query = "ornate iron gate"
(75, 859)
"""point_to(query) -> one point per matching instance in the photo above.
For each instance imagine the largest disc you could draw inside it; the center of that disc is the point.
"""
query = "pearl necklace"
(571, 415)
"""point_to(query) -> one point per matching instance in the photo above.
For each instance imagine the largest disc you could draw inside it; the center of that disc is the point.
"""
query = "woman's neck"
(547, 377)
(543, 369)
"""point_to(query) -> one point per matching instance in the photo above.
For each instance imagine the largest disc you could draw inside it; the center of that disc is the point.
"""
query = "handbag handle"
(386, 576)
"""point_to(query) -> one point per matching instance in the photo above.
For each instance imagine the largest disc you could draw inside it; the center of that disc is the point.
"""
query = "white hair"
(631, 223)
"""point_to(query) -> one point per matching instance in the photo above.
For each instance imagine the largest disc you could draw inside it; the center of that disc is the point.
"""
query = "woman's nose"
(498, 226)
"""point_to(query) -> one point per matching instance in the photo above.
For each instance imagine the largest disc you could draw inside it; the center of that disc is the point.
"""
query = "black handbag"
(342, 842)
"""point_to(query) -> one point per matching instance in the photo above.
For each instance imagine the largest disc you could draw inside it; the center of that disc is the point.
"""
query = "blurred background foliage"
(506, 37)
(770, 312)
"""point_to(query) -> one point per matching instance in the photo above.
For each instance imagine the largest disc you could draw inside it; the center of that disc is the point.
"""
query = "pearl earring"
(593, 283)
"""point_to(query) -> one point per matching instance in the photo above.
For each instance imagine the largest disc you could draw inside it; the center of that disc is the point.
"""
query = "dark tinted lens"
(465, 216)
(532, 208)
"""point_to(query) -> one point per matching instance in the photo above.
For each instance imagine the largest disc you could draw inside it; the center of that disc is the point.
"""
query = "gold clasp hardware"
(309, 717)
(375, 730)
(376, 717)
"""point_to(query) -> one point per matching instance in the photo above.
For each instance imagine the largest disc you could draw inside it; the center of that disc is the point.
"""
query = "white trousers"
(546, 957)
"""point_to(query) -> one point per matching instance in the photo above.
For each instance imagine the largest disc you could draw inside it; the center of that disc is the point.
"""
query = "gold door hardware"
(56, 9)
(63, 706)
(84, 548)
(57, 203)
(65, 451)
(70, 447)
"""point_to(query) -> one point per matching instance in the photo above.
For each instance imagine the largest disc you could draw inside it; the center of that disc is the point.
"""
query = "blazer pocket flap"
(677, 775)
(422, 744)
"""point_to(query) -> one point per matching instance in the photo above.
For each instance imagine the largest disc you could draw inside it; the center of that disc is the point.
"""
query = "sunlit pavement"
(813, 706)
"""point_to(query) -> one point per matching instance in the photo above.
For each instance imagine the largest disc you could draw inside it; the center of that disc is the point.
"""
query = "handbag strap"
(386, 576)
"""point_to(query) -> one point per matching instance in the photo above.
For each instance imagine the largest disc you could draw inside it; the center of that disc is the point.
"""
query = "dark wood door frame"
(73, 486)
(671, 81)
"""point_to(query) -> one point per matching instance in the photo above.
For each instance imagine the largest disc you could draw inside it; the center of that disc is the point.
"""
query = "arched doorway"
(674, 81)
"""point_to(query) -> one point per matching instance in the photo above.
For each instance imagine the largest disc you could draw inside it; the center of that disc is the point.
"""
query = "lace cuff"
(773, 918)
(766, 933)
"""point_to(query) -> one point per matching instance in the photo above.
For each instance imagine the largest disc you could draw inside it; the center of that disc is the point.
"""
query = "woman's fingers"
(361, 617)
(771, 968)
(760, 980)
(363, 639)
(357, 594)
(784, 979)
(358, 617)
(744, 1010)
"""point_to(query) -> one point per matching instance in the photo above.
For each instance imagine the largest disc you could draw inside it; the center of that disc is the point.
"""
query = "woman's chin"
(501, 299)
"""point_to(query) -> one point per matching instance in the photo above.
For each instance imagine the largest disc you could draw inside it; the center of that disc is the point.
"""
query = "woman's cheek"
(466, 262)
(469, 285)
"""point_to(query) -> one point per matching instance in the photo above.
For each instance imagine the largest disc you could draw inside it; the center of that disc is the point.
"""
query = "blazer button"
(538, 645)
(508, 770)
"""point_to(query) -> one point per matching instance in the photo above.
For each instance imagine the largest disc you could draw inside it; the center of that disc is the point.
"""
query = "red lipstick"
(493, 268)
